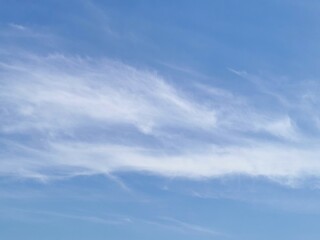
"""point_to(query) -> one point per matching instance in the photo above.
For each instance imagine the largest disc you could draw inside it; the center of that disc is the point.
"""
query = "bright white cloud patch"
(64, 116)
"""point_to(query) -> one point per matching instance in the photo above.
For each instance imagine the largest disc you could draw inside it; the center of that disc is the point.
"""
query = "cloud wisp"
(64, 116)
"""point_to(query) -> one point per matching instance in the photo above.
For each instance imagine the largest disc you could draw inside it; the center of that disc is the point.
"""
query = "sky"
(159, 119)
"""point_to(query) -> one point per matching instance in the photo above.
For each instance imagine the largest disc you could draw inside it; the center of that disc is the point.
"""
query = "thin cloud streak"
(184, 227)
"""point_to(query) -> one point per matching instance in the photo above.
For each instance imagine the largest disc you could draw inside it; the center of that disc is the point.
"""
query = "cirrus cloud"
(64, 116)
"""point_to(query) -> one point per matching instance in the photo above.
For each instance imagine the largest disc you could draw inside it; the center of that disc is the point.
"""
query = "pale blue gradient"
(159, 120)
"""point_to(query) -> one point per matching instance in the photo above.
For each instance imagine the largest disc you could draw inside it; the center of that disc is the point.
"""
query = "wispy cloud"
(17, 26)
(69, 115)
(188, 227)
(79, 92)
(41, 215)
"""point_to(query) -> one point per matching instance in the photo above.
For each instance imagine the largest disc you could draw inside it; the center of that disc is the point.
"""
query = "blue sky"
(159, 120)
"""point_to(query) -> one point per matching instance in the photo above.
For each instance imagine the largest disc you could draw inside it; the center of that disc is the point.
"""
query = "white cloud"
(264, 160)
(17, 26)
(48, 104)
(186, 227)
(63, 92)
